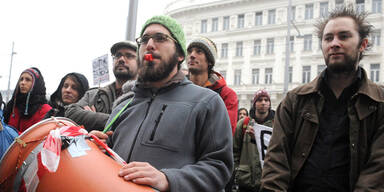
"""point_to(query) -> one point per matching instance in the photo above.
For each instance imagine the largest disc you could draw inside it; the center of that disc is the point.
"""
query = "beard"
(149, 73)
(346, 66)
(123, 75)
(262, 111)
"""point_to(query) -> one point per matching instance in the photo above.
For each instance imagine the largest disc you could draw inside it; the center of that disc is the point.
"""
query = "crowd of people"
(182, 130)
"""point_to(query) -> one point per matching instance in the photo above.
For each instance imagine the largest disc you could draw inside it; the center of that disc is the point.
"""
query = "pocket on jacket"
(245, 179)
(165, 130)
(243, 175)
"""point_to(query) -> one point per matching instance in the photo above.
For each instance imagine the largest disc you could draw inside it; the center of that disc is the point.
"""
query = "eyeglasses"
(157, 37)
(126, 55)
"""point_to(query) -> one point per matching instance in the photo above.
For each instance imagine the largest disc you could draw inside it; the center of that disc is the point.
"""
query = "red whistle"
(148, 57)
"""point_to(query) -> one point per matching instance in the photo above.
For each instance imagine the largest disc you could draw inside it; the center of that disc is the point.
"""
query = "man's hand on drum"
(102, 136)
(145, 174)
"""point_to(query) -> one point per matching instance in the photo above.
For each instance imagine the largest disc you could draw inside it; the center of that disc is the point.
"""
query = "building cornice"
(201, 6)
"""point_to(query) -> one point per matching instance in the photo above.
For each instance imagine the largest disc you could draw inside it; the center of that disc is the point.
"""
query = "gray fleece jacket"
(181, 129)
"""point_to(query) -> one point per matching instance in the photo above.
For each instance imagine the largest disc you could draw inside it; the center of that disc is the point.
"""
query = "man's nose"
(335, 43)
(192, 55)
(150, 44)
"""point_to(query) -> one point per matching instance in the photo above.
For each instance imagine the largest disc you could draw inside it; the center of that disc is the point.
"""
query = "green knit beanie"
(173, 27)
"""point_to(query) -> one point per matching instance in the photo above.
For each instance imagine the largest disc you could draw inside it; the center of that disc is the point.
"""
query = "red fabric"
(22, 124)
(229, 97)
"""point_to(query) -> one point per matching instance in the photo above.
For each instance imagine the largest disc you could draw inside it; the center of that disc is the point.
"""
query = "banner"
(100, 70)
(263, 136)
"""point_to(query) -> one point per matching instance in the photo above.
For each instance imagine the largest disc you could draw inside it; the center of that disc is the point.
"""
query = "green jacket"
(296, 125)
(102, 98)
(246, 157)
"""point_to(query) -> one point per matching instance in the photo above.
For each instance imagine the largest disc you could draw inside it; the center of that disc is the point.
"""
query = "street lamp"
(287, 48)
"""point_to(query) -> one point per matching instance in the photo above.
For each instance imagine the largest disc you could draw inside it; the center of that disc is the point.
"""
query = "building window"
(320, 68)
(375, 37)
(226, 23)
(203, 26)
(237, 77)
(306, 74)
(360, 6)
(323, 9)
(240, 21)
(272, 16)
(270, 45)
(259, 18)
(309, 11)
(224, 74)
(255, 76)
(215, 24)
(376, 6)
(307, 42)
(224, 50)
(339, 4)
(293, 13)
(290, 74)
(257, 47)
(239, 49)
(375, 71)
(292, 43)
(268, 75)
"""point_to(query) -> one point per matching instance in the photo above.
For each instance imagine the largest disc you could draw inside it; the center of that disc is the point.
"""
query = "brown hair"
(363, 27)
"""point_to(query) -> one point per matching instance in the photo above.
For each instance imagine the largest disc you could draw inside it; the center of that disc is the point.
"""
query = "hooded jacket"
(56, 101)
(181, 129)
(296, 126)
(24, 110)
(216, 82)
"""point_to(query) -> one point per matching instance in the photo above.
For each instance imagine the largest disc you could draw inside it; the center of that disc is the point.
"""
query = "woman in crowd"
(241, 113)
(71, 89)
(28, 104)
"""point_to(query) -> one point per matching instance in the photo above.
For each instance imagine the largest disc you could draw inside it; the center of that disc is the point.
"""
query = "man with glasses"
(94, 108)
(174, 135)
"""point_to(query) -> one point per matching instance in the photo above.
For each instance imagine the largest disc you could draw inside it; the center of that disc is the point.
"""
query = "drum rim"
(63, 119)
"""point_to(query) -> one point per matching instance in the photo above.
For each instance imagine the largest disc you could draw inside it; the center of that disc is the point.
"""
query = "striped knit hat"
(207, 45)
(261, 93)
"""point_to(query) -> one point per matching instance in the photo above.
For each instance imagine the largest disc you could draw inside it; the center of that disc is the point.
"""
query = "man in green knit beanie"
(174, 135)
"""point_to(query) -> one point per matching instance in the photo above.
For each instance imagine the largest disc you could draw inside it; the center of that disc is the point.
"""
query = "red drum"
(93, 171)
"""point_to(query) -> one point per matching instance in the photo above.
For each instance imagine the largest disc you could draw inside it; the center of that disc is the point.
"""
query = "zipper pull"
(157, 121)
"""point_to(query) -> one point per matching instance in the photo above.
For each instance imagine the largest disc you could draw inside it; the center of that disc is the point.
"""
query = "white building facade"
(251, 40)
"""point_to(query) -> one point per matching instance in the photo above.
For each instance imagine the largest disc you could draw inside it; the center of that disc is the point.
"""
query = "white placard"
(100, 70)
(263, 136)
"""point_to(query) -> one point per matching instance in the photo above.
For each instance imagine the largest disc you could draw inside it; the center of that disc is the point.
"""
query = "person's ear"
(363, 45)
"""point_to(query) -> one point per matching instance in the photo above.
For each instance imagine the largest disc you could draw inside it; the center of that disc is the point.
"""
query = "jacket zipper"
(138, 131)
(157, 122)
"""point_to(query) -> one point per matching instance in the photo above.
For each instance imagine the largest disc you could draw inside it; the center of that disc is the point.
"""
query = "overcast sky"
(62, 36)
